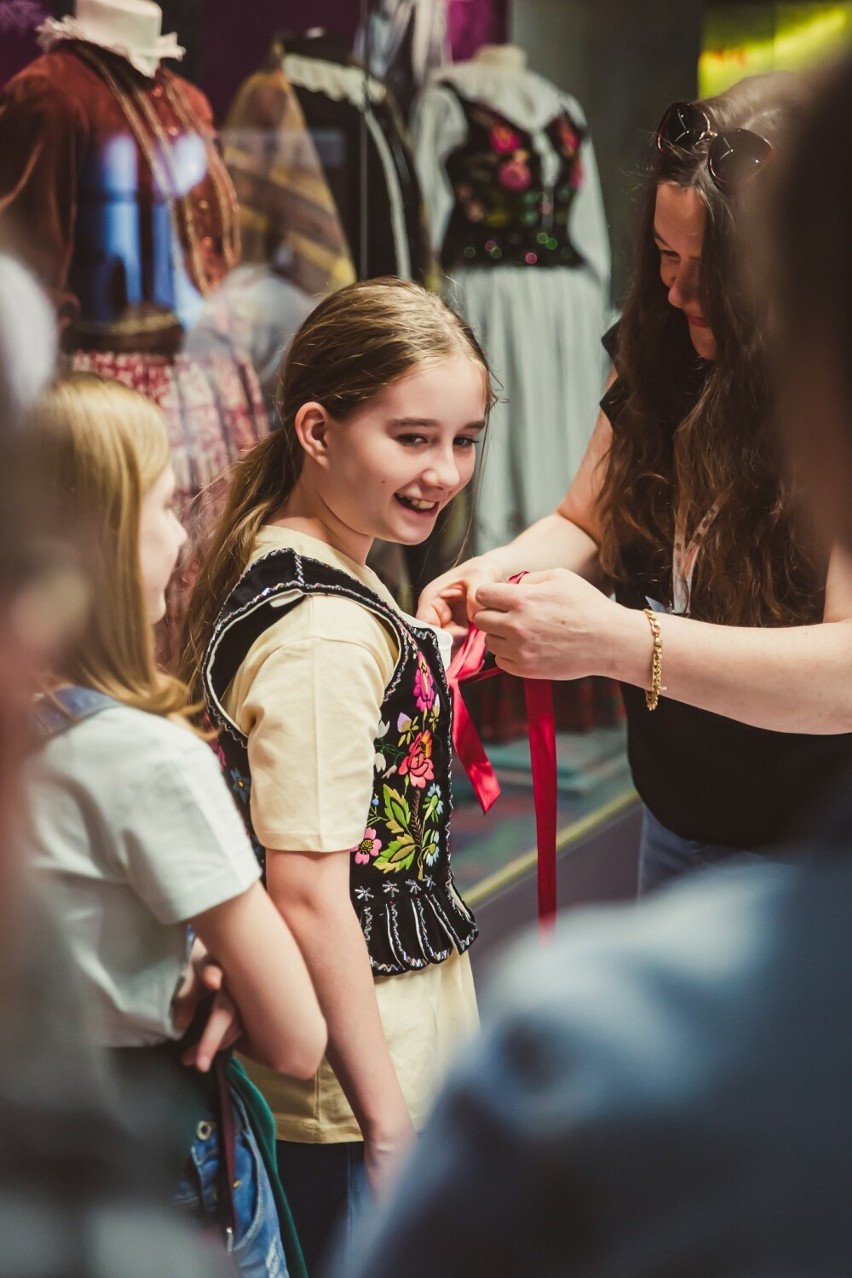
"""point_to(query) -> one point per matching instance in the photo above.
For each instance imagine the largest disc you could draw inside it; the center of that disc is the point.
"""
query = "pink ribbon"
(467, 665)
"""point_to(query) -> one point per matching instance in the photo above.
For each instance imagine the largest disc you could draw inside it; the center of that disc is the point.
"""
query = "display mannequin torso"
(121, 202)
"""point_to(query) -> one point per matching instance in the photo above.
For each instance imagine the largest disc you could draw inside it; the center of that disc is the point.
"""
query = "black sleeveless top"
(400, 877)
(704, 776)
(504, 212)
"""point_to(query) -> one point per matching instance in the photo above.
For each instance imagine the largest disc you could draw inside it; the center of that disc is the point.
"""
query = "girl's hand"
(448, 601)
(198, 982)
(223, 1026)
(555, 625)
(223, 1029)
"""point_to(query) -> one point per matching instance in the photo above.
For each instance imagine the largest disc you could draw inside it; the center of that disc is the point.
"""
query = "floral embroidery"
(569, 139)
(369, 847)
(418, 762)
(240, 785)
(514, 175)
(404, 833)
(379, 761)
(506, 209)
(434, 803)
(405, 726)
(503, 139)
(424, 685)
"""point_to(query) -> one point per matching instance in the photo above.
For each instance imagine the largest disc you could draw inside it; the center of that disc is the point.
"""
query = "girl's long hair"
(98, 447)
(689, 433)
(356, 343)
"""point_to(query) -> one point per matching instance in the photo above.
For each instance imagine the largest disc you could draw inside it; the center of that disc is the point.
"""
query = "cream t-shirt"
(307, 697)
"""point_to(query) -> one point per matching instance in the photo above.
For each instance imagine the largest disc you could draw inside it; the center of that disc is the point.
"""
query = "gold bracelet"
(652, 694)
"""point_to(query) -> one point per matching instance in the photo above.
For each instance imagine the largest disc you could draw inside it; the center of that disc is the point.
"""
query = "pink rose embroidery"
(424, 686)
(514, 175)
(418, 763)
(369, 847)
(503, 139)
(569, 139)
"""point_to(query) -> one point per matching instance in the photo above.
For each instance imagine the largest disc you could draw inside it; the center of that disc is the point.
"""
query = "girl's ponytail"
(259, 482)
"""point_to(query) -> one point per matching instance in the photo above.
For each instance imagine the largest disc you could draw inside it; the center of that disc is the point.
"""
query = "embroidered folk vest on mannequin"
(400, 874)
(505, 213)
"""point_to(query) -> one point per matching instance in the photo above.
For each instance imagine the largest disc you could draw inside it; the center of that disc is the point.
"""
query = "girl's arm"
(311, 889)
(267, 977)
(794, 679)
(569, 538)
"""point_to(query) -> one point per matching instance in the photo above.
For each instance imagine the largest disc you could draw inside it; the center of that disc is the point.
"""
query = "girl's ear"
(311, 425)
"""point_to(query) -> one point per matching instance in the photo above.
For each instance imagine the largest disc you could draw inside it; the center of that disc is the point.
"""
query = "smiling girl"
(335, 720)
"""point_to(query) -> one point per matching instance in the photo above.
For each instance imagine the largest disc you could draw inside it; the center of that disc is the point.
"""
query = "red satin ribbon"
(538, 693)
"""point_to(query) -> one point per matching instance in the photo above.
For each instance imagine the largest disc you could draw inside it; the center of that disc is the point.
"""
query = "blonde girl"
(335, 720)
(134, 835)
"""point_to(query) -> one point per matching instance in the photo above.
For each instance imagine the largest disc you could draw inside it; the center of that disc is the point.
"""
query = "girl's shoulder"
(126, 738)
(327, 628)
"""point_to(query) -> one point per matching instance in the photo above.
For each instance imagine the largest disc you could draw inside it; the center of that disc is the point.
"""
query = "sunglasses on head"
(734, 156)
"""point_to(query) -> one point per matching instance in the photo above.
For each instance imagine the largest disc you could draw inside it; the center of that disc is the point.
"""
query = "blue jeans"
(326, 1187)
(258, 1251)
(664, 855)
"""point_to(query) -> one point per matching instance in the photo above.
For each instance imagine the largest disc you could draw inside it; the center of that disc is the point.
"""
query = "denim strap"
(74, 704)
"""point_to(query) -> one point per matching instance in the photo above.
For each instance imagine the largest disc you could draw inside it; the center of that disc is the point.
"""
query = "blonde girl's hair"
(98, 447)
(356, 343)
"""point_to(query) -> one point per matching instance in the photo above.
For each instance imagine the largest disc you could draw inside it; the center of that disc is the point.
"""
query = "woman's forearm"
(551, 542)
(794, 679)
(555, 625)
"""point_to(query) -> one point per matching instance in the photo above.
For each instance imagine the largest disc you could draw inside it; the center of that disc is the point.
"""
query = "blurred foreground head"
(27, 355)
(807, 264)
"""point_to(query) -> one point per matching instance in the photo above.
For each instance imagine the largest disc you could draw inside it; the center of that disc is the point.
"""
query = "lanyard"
(538, 693)
(684, 561)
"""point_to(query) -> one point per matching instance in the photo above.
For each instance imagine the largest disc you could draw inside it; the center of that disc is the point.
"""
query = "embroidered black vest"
(504, 213)
(400, 877)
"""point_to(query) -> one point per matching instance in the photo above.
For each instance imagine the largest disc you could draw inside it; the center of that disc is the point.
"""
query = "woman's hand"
(555, 625)
(448, 601)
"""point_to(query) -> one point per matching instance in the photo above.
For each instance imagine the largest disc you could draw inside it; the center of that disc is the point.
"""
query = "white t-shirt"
(132, 831)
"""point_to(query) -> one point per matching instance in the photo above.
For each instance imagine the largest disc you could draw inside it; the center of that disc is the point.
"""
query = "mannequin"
(509, 177)
(130, 28)
(403, 40)
(289, 219)
(336, 101)
(113, 190)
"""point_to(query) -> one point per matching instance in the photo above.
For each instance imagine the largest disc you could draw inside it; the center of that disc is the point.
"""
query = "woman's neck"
(508, 57)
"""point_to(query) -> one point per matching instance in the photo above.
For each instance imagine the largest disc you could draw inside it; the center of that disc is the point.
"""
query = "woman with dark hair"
(737, 682)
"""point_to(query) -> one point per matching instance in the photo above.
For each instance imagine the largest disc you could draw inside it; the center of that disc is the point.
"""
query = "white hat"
(130, 28)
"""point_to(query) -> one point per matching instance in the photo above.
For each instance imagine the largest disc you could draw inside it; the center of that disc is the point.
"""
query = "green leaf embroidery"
(397, 856)
(430, 806)
(397, 811)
